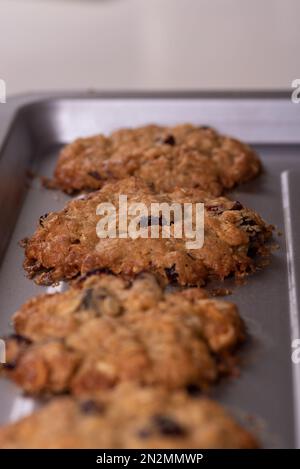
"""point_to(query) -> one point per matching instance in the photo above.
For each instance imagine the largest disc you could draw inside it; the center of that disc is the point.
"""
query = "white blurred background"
(149, 44)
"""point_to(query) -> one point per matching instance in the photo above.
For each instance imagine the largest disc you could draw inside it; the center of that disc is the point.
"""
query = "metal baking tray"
(32, 129)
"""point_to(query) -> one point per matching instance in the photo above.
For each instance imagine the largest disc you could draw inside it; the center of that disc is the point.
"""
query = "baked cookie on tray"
(128, 417)
(66, 243)
(166, 157)
(105, 330)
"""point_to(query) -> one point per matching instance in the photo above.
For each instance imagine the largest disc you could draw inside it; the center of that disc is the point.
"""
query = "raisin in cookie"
(183, 156)
(128, 417)
(105, 330)
(66, 244)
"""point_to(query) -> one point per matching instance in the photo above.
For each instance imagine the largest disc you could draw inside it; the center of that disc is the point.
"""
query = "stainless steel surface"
(268, 386)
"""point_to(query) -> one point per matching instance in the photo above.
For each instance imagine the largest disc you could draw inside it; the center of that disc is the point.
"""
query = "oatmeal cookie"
(128, 417)
(105, 330)
(66, 243)
(184, 156)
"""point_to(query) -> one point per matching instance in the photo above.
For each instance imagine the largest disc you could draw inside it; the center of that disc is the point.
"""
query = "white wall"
(149, 44)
